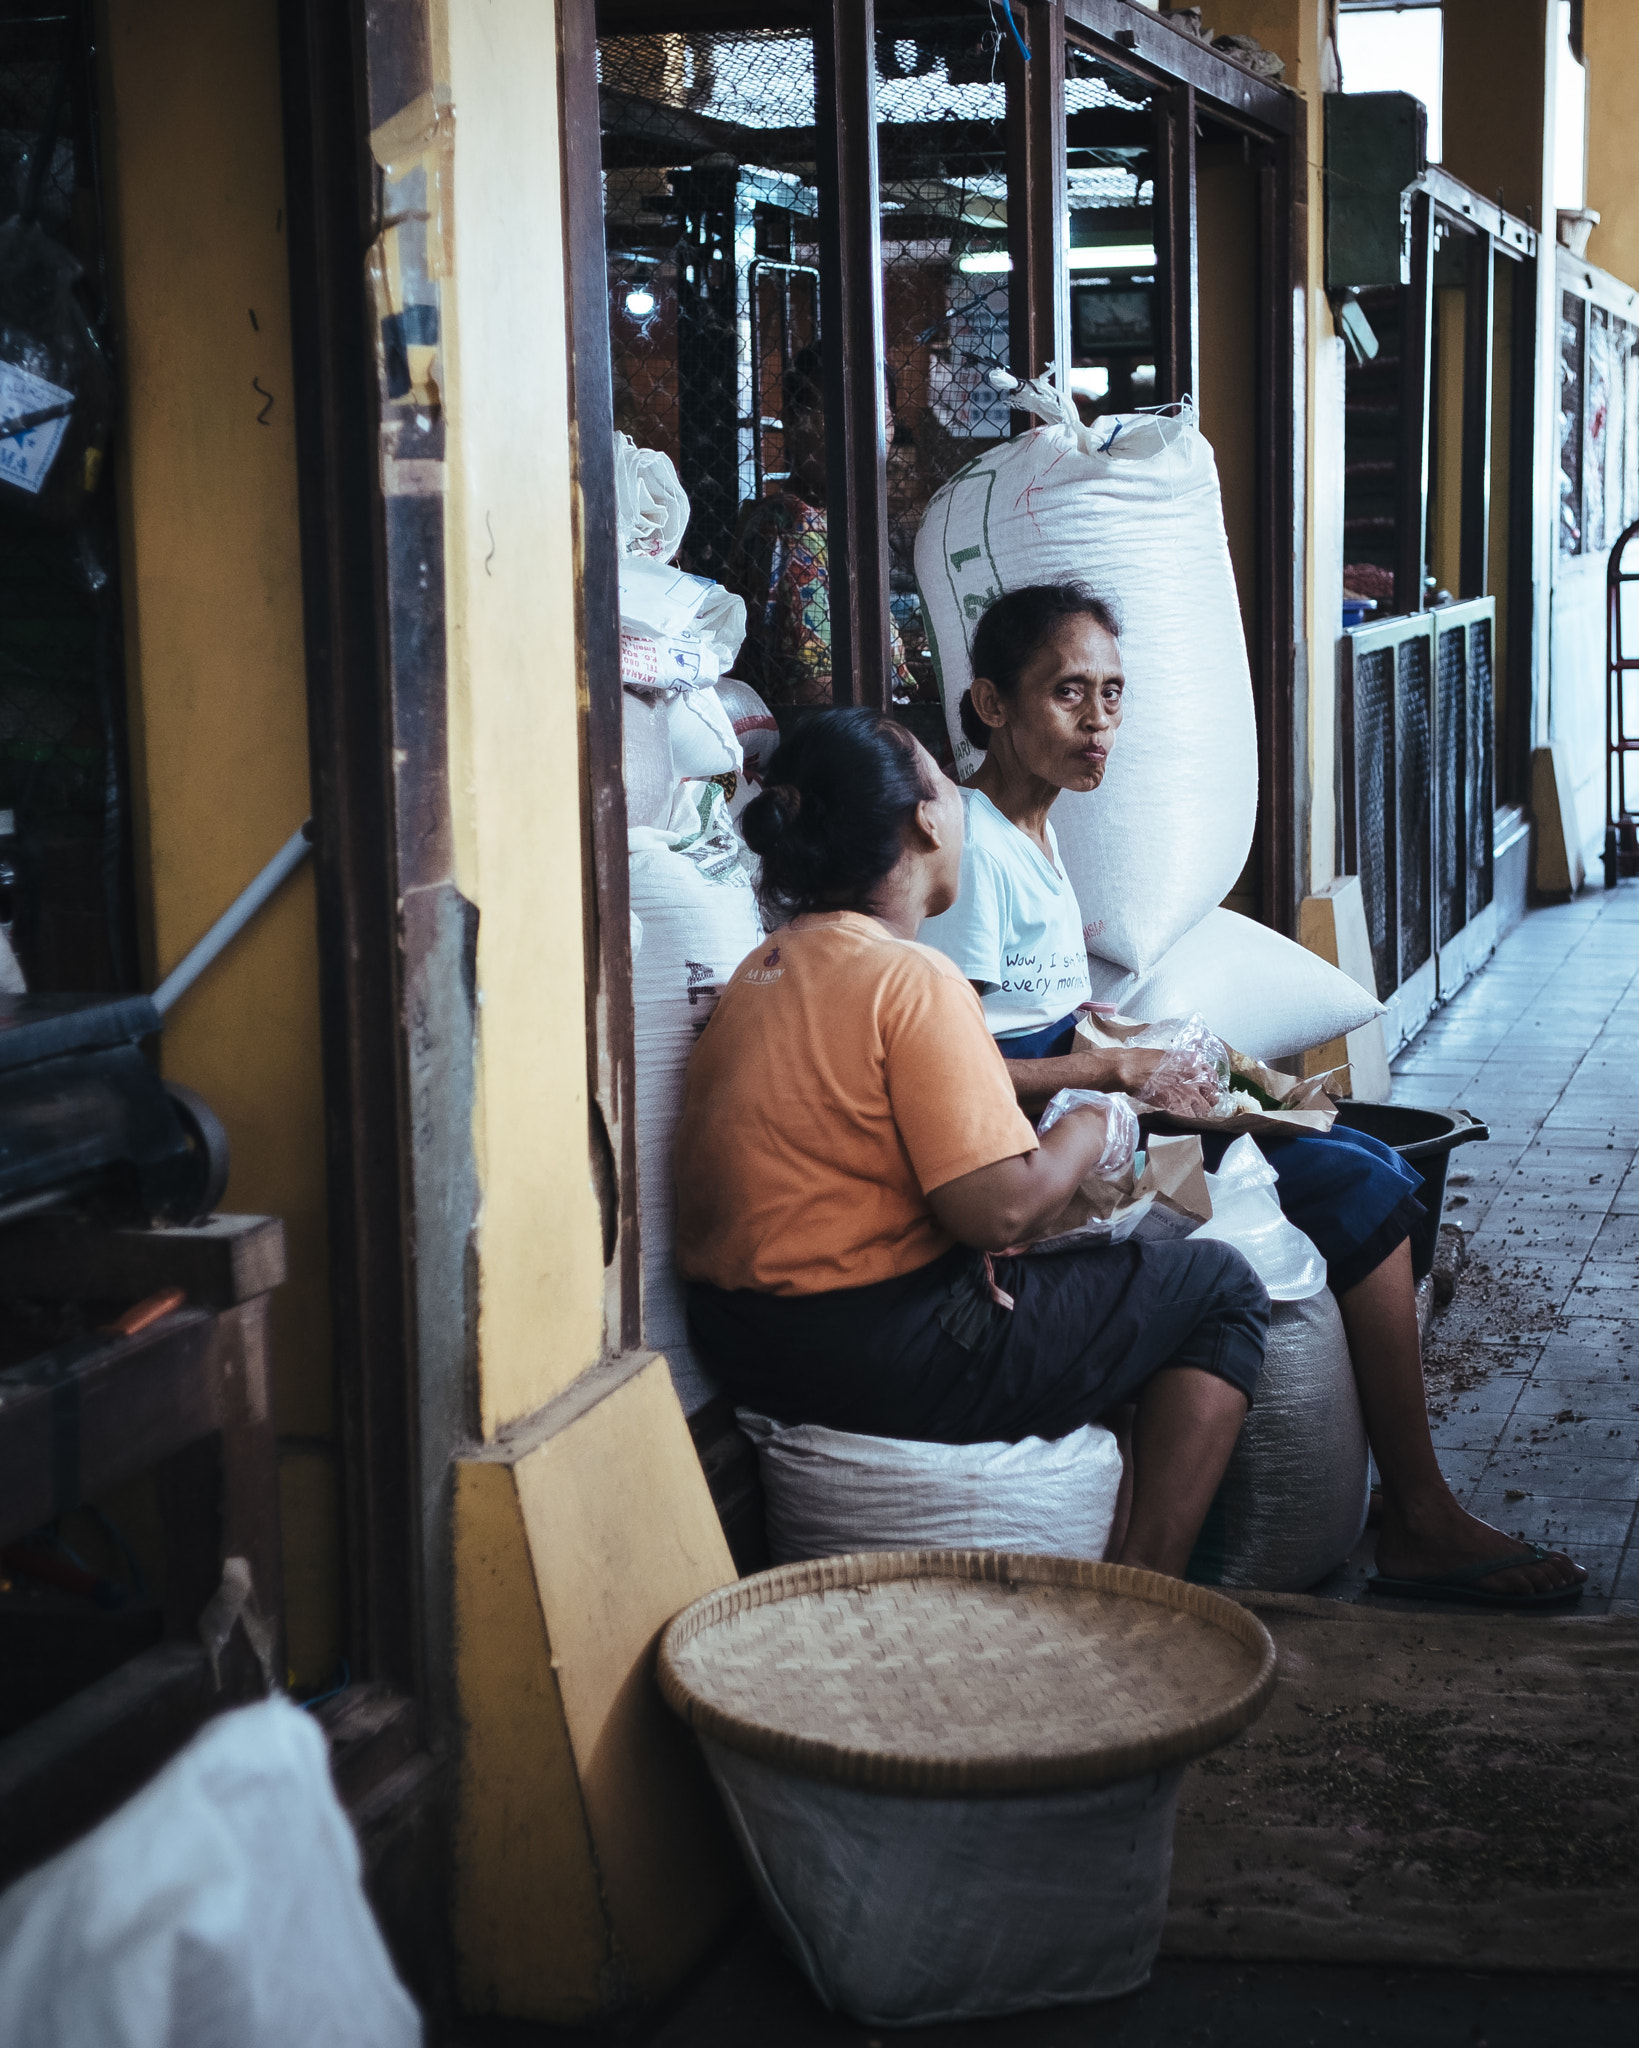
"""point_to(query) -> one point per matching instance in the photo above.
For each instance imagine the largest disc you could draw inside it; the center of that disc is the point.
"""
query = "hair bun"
(768, 817)
(974, 729)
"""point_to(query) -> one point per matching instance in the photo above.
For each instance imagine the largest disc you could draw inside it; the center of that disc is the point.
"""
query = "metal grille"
(1481, 801)
(1110, 130)
(1451, 814)
(713, 260)
(1414, 734)
(1573, 322)
(62, 747)
(942, 153)
(1375, 827)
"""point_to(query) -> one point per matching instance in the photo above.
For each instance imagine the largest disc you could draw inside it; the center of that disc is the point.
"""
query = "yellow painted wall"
(515, 714)
(1492, 101)
(213, 617)
(1610, 44)
(593, 1864)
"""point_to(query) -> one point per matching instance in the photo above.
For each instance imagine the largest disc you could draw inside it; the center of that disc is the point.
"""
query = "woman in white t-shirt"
(1045, 709)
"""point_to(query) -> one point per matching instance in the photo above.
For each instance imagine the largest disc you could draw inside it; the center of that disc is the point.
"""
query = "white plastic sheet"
(699, 918)
(221, 1907)
(1293, 1502)
(902, 1912)
(1246, 1213)
(827, 1491)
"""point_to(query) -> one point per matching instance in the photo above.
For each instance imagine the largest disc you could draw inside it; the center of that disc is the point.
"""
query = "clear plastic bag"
(1120, 1127)
(1193, 1078)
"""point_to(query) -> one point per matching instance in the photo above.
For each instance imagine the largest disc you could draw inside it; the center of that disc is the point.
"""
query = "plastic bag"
(56, 389)
(651, 506)
(1120, 1127)
(1193, 1078)
(1247, 1215)
(222, 1904)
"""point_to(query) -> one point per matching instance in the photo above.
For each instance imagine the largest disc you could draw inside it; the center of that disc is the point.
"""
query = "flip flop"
(1462, 1586)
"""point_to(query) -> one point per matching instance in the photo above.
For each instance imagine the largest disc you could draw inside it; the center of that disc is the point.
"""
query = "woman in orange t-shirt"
(852, 1166)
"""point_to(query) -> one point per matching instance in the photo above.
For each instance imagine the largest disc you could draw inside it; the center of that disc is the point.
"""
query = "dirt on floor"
(1499, 1316)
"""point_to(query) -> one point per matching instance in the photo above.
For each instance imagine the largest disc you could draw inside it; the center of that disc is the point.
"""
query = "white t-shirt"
(1015, 928)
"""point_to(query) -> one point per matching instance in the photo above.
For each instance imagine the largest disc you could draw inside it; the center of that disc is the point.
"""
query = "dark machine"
(86, 1122)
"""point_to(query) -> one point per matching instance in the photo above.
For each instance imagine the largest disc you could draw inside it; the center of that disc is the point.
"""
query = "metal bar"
(856, 439)
(1479, 319)
(611, 1032)
(1278, 609)
(1038, 305)
(1149, 45)
(1417, 330)
(234, 919)
(1514, 780)
(1176, 272)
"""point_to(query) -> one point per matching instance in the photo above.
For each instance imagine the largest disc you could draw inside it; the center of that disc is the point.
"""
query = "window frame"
(1191, 78)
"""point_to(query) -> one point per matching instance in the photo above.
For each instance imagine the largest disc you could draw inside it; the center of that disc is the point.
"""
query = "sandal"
(1462, 1585)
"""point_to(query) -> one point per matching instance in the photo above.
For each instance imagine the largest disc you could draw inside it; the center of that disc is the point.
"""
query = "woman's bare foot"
(1426, 1536)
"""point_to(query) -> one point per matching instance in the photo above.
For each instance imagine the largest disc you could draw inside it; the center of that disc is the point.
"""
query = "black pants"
(929, 1356)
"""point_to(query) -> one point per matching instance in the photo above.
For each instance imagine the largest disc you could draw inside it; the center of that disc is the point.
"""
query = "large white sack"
(699, 918)
(827, 1492)
(221, 1907)
(646, 757)
(1293, 1501)
(1131, 507)
(1260, 992)
(651, 505)
(903, 1912)
(702, 735)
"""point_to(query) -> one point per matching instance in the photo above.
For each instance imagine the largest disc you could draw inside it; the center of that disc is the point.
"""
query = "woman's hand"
(1190, 1090)
(1184, 1083)
(1009, 1203)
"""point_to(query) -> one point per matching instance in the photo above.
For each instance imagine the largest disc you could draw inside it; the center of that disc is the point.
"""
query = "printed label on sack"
(653, 664)
(26, 456)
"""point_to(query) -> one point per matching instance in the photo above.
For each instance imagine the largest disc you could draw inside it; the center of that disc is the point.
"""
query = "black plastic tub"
(1424, 1139)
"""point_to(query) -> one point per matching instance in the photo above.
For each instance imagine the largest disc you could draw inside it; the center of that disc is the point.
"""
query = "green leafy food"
(1247, 1086)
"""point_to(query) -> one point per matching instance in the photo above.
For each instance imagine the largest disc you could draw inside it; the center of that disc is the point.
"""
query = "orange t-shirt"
(844, 1072)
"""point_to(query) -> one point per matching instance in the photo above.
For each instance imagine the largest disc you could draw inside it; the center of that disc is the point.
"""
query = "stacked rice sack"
(694, 913)
(1131, 506)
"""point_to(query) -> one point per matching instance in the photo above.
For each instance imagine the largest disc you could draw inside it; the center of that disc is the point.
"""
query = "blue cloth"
(1051, 1042)
(1352, 1196)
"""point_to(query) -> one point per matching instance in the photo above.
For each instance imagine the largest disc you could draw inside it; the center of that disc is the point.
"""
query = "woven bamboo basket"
(954, 1774)
(966, 1673)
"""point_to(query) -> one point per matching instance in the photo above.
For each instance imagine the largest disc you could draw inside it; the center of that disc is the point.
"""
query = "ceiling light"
(640, 302)
(1119, 256)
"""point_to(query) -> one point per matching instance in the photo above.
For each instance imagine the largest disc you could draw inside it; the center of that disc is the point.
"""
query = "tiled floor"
(1544, 1045)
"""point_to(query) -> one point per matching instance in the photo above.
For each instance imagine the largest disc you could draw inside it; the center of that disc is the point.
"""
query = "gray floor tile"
(1560, 1520)
(1613, 1399)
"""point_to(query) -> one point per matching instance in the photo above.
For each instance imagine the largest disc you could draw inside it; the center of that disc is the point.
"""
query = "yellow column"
(206, 468)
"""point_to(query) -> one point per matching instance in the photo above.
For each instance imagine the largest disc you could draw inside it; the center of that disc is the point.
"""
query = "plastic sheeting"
(828, 1492)
(902, 1912)
(694, 900)
(221, 1907)
(1293, 1502)
(1246, 1213)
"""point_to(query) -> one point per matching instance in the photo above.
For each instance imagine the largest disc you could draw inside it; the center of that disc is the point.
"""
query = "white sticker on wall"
(26, 456)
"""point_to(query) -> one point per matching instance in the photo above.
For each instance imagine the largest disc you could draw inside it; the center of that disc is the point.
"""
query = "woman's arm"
(1036, 1082)
(1008, 1202)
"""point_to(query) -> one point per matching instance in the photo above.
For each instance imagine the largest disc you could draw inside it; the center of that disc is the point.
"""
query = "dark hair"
(1013, 632)
(830, 821)
(802, 387)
